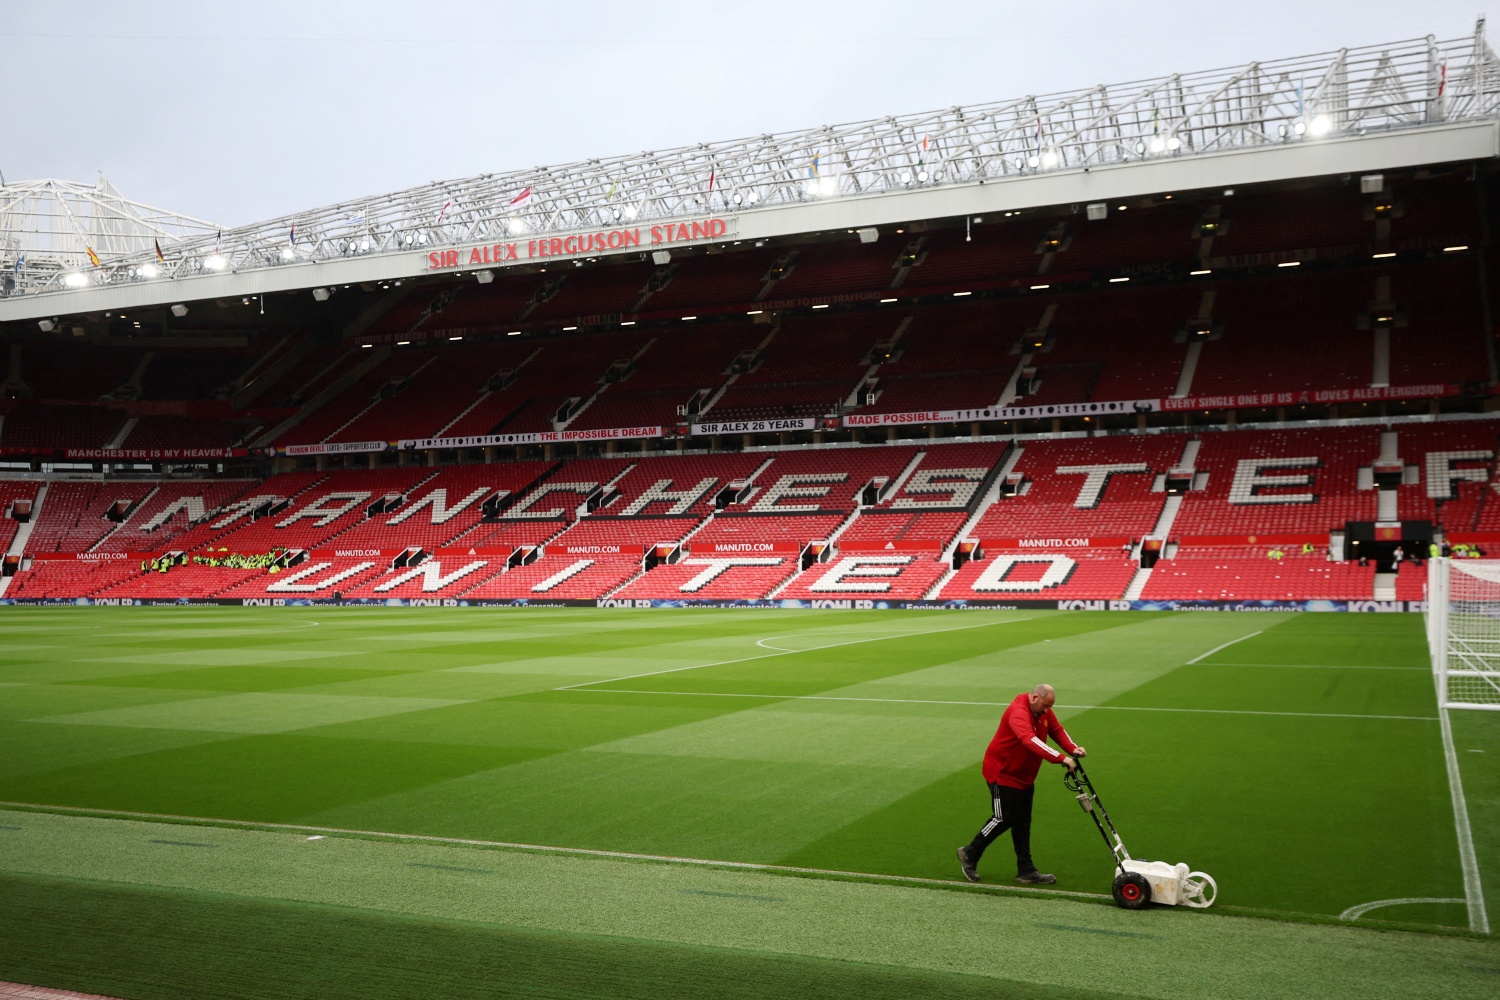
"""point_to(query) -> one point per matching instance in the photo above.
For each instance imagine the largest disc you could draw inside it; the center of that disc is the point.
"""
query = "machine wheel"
(1132, 891)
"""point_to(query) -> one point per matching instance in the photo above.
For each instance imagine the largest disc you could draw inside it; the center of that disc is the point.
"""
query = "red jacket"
(1020, 745)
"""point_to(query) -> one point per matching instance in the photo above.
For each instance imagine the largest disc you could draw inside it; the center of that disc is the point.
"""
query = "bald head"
(1042, 698)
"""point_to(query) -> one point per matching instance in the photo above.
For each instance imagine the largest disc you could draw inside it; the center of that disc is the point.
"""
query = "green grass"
(1301, 766)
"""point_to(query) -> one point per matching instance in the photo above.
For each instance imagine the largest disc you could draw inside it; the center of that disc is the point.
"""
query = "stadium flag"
(1155, 120)
(1300, 110)
(93, 257)
(20, 263)
(291, 236)
(1442, 79)
(611, 192)
(711, 173)
(160, 259)
(922, 154)
(442, 213)
(521, 198)
(812, 168)
(1038, 135)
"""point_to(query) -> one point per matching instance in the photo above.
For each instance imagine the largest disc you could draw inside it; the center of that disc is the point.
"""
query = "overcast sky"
(236, 112)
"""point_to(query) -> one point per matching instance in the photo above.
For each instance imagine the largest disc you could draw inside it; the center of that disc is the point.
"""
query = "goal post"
(1463, 631)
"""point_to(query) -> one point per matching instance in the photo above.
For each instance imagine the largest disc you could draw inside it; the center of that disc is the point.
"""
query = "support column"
(489, 455)
(974, 429)
(432, 457)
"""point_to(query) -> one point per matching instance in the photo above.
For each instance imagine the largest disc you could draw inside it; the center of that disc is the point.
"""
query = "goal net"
(1463, 631)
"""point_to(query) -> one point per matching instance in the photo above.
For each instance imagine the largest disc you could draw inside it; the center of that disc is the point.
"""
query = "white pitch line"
(765, 656)
(1355, 912)
(1226, 645)
(1003, 704)
(233, 824)
(1316, 666)
(1479, 919)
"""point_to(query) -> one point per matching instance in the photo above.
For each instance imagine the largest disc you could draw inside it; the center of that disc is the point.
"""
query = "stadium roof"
(1381, 107)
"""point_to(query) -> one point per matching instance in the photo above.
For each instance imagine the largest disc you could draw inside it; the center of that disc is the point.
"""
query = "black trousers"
(1012, 811)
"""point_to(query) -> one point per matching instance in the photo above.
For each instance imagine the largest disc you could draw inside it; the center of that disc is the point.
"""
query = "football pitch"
(394, 802)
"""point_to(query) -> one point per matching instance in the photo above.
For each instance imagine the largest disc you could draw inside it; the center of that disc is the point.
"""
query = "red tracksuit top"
(1020, 745)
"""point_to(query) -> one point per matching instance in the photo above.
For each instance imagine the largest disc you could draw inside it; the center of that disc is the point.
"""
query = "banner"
(1298, 539)
(127, 454)
(535, 437)
(600, 241)
(754, 426)
(336, 448)
(1314, 396)
(91, 556)
(460, 552)
(1077, 542)
(743, 548)
(1002, 413)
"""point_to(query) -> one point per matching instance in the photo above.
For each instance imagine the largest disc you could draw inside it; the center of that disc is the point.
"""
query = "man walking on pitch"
(1010, 766)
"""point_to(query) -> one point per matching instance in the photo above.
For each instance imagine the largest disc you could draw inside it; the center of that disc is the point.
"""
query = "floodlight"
(216, 262)
(517, 225)
(1033, 162)
(74, 279)
(148, 270)
(737, 198)
(179, 310)
(287, 253)
(906, 177)
(321, 294)
(1321, 125)
(869, 235)
(660, 257)
(1097, 210)
(46, 325)
(1300, 127)
(616, 214)
(364, 246)
(1371, 183)
(922, 176)
(484, 277)
(1174, 143)
(1049, 158)
(422, 238)
(631, 211)
(1158, 144)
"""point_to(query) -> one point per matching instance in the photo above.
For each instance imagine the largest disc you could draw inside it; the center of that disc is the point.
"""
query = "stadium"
(601, 579)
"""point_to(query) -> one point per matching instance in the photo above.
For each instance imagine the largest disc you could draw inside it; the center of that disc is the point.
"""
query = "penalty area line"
(1003, 704)
(784, 652)
(1226, 645)
(334, 831)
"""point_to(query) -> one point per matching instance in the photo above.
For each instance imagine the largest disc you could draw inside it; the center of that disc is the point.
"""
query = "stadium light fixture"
(922, 176)
(1205, 270)
(631, 211)
(1455, 249)
(484, 277)
(959, 295)
(1174, 143)
(869, 234)
(148, 270)
(688, 319)
(821, 305)
(179, 310)
(288, 254)
(1321, 125)
(320, 294)
(514, 333)
(402, 343)
(661, 257)
(46, 325)
(1116, 281)
(74, 279)
(215, 262)
(1037, 288)
(1050, 158)
(1290, 263)
(1300, 127)
(884, 301)
(456, 338)
(737, 198)
(366, 345)
(754, 312)
(1033, 162)
(628, 322)
(906, 177)
(516, 226)
(1382, 256)
(1158, 144)
(569, 329)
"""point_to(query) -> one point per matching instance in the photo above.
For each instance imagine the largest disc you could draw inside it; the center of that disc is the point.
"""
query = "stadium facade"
(1213, 340)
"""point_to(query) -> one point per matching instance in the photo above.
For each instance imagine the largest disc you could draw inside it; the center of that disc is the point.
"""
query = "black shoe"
(1035, 877)
(970, 872)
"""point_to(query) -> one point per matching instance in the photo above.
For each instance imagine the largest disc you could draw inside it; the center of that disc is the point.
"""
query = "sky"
(235, 112)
